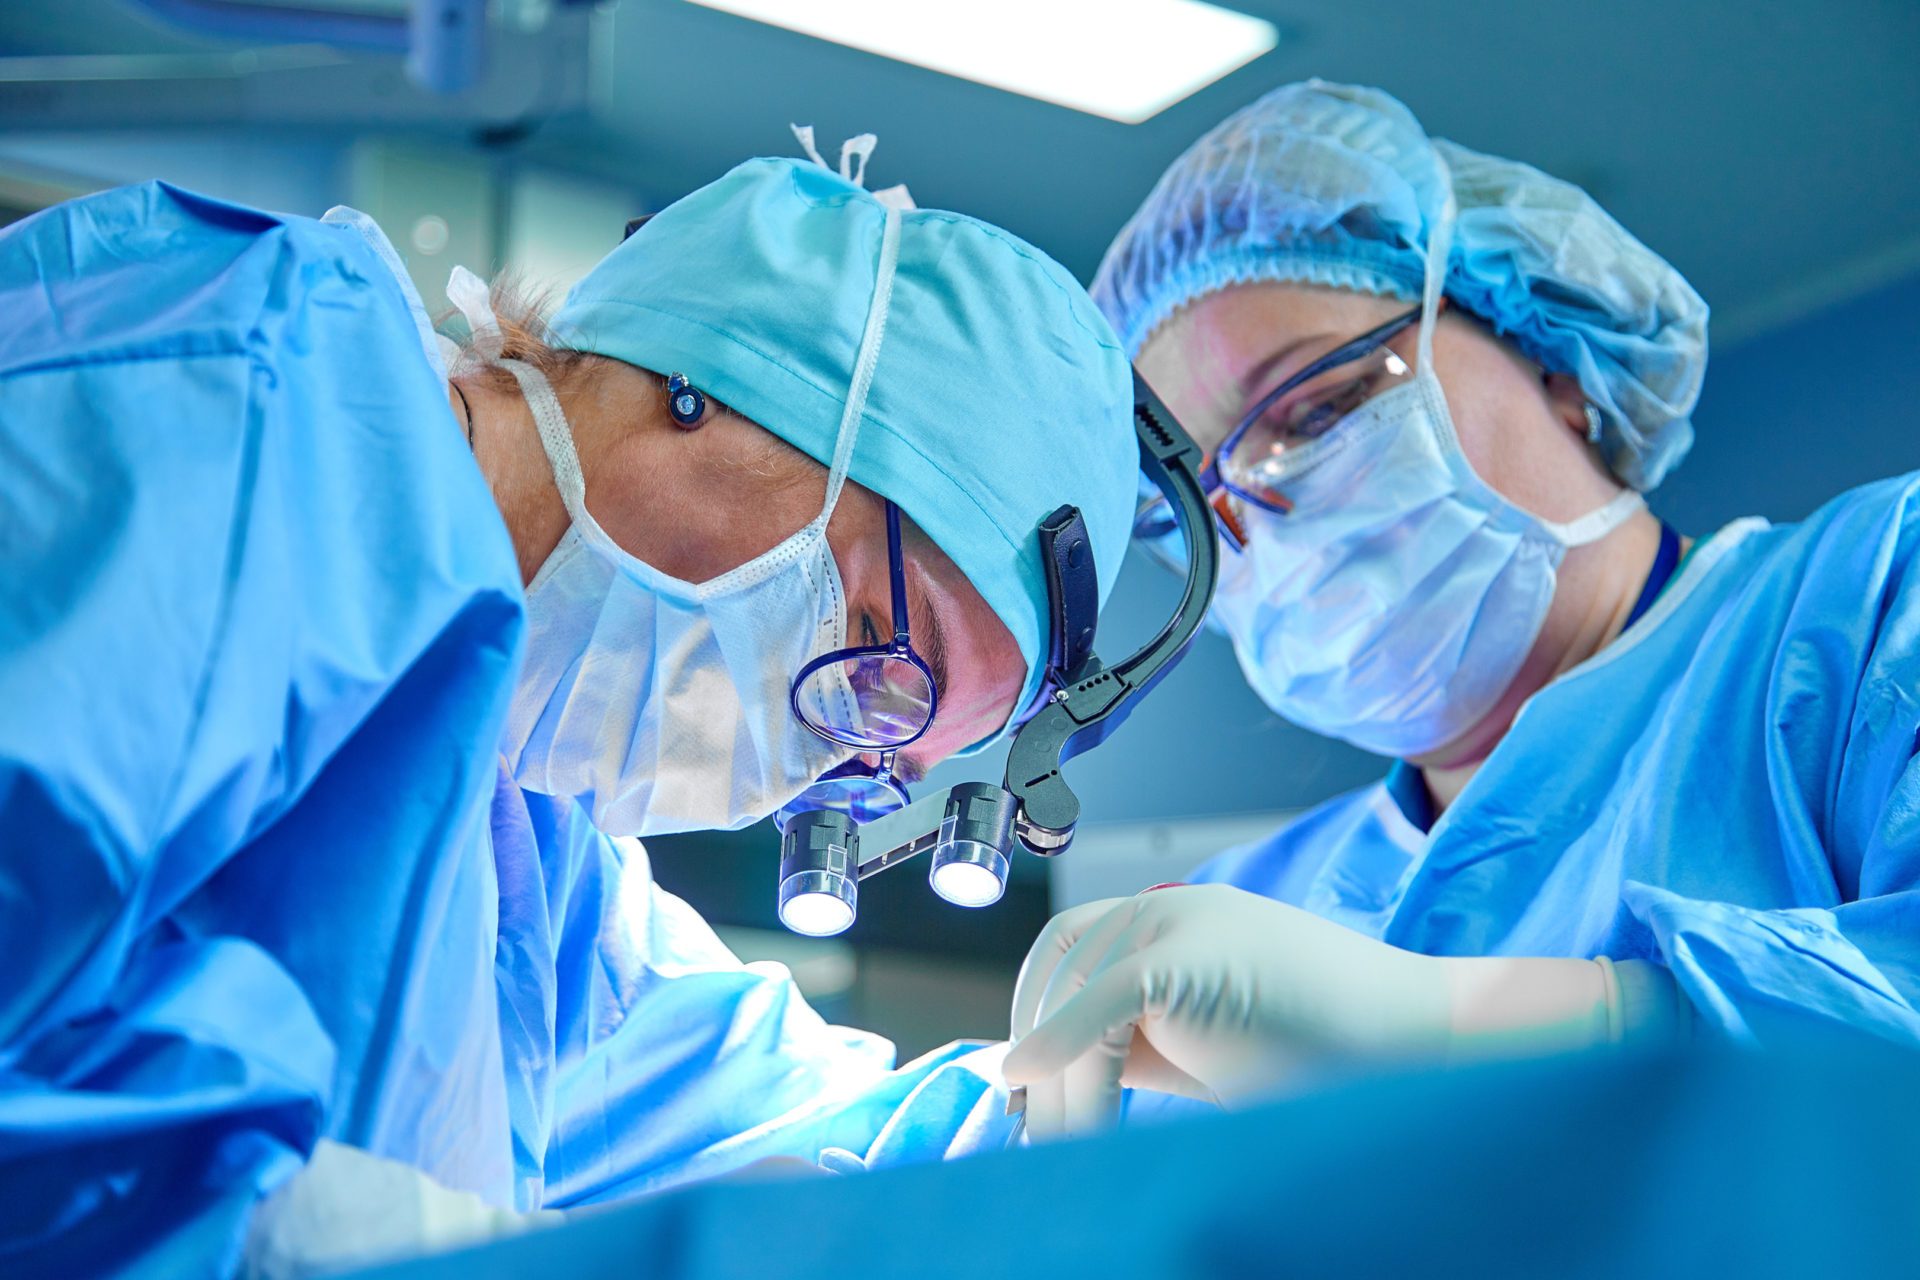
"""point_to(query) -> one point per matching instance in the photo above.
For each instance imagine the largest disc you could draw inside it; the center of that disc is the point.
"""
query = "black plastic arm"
(1095, 699)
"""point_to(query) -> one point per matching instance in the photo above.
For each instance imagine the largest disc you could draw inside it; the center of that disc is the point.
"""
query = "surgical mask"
(662, 705)
(1394, 605)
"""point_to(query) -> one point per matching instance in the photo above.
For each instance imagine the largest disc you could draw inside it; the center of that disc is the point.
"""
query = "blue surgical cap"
(1336, 185)
(1000, 393)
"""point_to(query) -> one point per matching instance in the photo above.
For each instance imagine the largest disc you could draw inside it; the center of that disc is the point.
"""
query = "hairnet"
(1000, 392)
(1336, 185)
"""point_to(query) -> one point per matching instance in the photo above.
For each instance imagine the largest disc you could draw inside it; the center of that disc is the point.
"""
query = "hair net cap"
(1336, 185)
(1000, 393)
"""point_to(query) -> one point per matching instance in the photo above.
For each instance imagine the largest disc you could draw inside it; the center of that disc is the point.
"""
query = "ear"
(1568, 401)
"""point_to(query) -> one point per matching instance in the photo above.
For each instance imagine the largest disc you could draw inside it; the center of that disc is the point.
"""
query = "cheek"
(1013, 668)
(1006, 673)
(987, 671)
(1499, 414)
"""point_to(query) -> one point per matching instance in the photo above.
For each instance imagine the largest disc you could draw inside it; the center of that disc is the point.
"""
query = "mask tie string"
(857, 148)
(865, 362)
(468, 293)
(1439, 245)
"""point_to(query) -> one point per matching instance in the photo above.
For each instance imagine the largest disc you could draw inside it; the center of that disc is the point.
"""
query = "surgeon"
(331, 687)
(1643, 787)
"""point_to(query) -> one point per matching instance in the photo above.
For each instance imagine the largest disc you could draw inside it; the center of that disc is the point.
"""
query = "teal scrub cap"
(1335, 185)
(999, 395)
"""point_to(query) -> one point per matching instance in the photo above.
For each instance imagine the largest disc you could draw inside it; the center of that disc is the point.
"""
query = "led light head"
(819, 873)
(818, 913)
(970, 861)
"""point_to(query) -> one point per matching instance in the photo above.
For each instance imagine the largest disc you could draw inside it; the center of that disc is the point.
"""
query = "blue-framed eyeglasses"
(879, 698)
(1262, 451)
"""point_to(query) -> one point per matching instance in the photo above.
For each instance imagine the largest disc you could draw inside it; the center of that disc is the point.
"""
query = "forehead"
(1248, 322)
(1215, 352)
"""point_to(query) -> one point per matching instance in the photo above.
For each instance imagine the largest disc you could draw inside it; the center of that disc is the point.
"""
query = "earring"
(1594, 423)
(685, 402)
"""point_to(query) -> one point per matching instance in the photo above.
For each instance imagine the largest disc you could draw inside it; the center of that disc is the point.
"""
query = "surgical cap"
(1336, 185)
(1000, 393)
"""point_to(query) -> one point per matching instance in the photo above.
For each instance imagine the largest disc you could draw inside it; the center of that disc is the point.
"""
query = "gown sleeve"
(675, 1061)
(1844, 761)
(211, 541)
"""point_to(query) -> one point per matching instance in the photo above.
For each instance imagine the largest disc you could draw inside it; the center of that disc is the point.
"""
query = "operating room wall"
(1796, 416)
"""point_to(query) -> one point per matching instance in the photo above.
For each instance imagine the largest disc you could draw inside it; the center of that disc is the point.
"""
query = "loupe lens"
(862, 798)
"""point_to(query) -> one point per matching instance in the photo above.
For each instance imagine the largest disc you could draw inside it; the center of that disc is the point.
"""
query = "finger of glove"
(1115, 936)
(1148, 1068)
(1046, 1098)
(1092, 1084)
(1122, 935)
(1084, 1098)
(1112, 937)
(1043, 958)
(1103, 1012)
(1047, 1109)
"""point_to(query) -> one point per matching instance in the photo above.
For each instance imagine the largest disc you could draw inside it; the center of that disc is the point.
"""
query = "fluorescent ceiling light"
(1127, 60)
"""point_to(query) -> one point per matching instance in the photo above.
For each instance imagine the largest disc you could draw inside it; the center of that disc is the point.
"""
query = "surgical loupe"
(972, 828)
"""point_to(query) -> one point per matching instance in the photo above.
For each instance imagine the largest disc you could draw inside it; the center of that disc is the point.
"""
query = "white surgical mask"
(662, 705)
(1394, 605)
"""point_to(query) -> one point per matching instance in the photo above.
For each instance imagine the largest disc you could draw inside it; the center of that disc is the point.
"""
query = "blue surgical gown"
(262, 879)
(1730, 789)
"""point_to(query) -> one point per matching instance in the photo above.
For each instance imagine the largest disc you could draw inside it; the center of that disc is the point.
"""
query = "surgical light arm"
(971, 828)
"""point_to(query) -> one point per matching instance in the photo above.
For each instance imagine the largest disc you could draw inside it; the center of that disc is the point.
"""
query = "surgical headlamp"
(972, 828)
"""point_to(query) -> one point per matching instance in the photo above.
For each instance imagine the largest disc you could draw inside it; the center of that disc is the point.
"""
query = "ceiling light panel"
(1127, 60)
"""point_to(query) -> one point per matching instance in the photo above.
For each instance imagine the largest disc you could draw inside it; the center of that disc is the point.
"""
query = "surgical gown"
(262, 879)
(1730, 789)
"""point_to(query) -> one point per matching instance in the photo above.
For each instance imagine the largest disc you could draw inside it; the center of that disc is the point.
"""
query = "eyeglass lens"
(1273, 445)
(892, 700)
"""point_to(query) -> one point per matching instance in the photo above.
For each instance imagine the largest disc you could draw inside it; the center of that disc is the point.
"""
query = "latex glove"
(1219, 994)
(349, 1208)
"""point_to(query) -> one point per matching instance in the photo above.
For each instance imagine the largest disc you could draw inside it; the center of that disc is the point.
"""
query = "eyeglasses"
(1267, 447)
(875, 697)
(861, 791)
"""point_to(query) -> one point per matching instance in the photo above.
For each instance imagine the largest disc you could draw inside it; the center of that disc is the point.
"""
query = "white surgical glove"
(1218, 994)
(349, 1208)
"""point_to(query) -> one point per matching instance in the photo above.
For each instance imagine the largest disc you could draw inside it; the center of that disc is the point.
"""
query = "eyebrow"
(1257, 376)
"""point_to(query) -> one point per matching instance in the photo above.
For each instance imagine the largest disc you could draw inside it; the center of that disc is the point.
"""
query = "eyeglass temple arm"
(1093, 700)
(897, 576)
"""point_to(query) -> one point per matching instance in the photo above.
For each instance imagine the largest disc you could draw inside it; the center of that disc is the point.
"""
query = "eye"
(1314, 416)
(869, 634)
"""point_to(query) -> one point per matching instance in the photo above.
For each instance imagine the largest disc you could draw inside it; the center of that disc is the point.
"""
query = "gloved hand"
(349, 1208)
(1219, 994)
